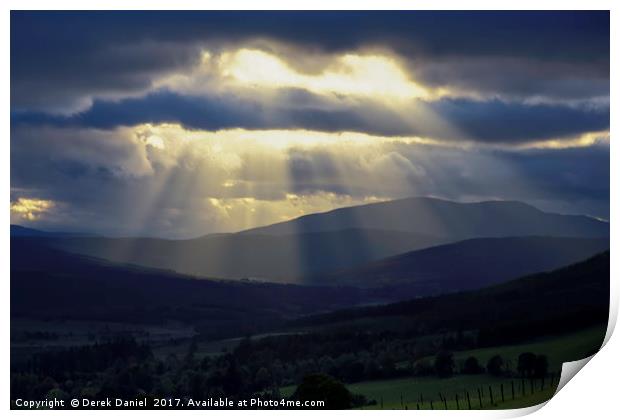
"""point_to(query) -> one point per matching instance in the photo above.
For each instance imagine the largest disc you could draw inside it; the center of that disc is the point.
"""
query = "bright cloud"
(379, 77)
(376, 76)
(30, 209)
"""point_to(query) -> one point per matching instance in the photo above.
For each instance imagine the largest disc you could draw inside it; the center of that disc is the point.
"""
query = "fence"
(481, 397)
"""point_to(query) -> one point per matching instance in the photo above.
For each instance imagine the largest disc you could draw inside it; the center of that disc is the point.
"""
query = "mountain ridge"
(341, 239)
(368, 216)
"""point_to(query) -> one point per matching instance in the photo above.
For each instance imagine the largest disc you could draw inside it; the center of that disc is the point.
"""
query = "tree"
(372, 370)
(232, 382)
(191, 351)
(320, 387)
(56, 393)
(205, 364)
(526, 364)
(471, 366)
(262, 379)
(423, 368)
(495, 365)
(326, 365)
(541, 366)
(444, 364)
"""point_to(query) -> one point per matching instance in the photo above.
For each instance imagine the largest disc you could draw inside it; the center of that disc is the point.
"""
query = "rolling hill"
(284, 258)
(48, 283)
(562, 300)
(469, 264)
(317, 244)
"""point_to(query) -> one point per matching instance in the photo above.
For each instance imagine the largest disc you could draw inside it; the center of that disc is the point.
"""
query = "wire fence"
(480, 397)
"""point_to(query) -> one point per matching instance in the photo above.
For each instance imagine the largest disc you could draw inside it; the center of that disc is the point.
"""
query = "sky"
(179, 124)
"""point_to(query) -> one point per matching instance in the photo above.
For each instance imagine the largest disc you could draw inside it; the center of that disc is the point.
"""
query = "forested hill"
(544, 303)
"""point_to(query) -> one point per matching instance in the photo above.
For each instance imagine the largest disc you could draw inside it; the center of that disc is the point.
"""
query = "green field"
(411, 393)
(417, 392)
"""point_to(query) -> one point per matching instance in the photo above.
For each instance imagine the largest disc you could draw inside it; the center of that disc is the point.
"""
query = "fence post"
(512, 386)
(531, 385)
(417, 406)
(491, 394)
(480, 397)
(522, 386)
(468, 401)
(501, 388)
(458, 407)
(401, 400)
(432, 408)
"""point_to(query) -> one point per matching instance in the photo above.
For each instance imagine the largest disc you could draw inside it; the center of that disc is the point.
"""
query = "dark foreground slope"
(52, 284)
(546, 303)
(469, 264)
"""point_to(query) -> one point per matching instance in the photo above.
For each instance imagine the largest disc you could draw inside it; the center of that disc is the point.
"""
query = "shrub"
(444, 364)
(319, 387)
(495, 365)
(471, 366)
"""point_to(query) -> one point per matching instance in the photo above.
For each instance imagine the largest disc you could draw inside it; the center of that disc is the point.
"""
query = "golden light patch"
(379, 77)
(236, 214)
(584, 140)
(156, 142)
(225, 142)
(30, 208)
(238, 138)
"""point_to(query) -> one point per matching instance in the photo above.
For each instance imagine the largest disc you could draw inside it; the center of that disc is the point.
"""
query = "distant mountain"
(292, 252)
(284, 258)
(446, 219)
(468, 264)
(22, 231)
(305, 248)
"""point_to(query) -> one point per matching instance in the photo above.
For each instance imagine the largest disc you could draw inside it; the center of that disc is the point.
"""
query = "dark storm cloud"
(207, 113)
(567, 35)
(519, 79)
(497, 121)
(491, 121)
(57, 57)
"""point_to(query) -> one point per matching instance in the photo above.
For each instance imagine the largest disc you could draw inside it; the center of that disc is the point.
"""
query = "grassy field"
(429, 392)
(418, 392)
